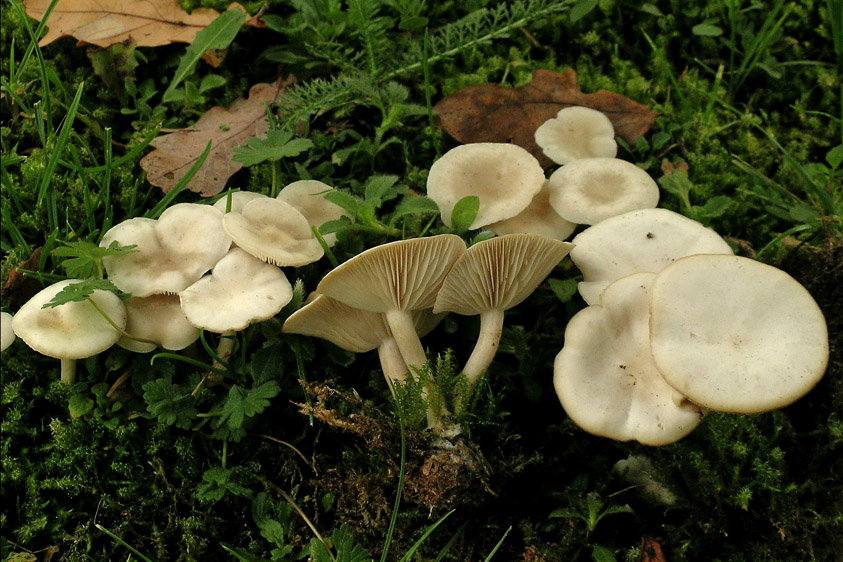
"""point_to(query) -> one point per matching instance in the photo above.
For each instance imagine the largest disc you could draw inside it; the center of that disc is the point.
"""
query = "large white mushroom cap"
(577, 132)
(172, 252)
(504, 176)
(606, 378)
(308, 196)
(7, 334)
(736, 335)
(638, 241)
(590, 190)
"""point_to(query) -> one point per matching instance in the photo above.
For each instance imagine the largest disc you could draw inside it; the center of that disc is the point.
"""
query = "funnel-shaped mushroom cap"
(590, 190)
(273, 231)
(499, 273)
(577, 132)
(504, 176)
(240, 290)
(735, 335)
(605, 376)
(638, 241)
(538, 218)
(158, 318)
(74, 330)
(238, 200)
(172, 252)
(402, 275)
(308, 196)
(7, 334)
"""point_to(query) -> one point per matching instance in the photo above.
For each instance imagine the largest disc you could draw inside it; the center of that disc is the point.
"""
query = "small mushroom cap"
(590, 190)
(308, 196)
(504, 176)
(638, 241)
(240, 290)
(74, 330)
(158, 318)
(577, 132)
(172, 252)
(7, 334)
(538, 218)
(274, 231)
(499, 273)
(238, 200)
(401, 275)
(605, 377)
(736, 335)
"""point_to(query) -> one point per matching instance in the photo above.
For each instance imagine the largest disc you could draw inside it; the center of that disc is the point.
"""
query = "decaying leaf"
(149, 23)
(227, 128)
(492, 113)
(19, 288)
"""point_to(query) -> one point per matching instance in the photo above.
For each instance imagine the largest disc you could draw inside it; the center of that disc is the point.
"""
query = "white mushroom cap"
(606, 378)
(736, 335)
(7, 334)
(73, 330)
(308, 196)
(158, 318)
(538, 218)
(172, 252)
(238, 200)
(504, 176)
(240, 290)
(590, 190)
(638, 241)
(577, 132)
(273, 231)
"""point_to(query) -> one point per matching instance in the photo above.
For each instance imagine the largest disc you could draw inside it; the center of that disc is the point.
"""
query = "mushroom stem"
(491, 328)
(68, 371)
(226, 345)
(392, 364)
(406, 338)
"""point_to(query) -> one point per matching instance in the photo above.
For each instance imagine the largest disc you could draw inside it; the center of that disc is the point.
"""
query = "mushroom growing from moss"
(577, 132)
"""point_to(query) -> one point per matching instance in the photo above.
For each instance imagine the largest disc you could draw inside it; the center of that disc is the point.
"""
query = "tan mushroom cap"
(504, 176)
(172, 252)
(74, 330)
(158, 318)
(308, 196)
(590, 190)
(736, 335)
(606, 378)
(238, 200)
(240, 290)
(638, 241)
(577, 132)
(538, 218)
(274, 231)
(7, 334)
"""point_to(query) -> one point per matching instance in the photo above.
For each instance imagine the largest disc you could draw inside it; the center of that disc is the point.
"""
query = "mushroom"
(606, 378)
(238, 201)
(638, 241)
(308, 196)
(157, 319)
(7, 334)
(73, 330)
(172, 252)
(538, 218)
(240, 290)
(504, 176)
(590, 190)
(577, 132)
(273, 231)
(491, 277)
(736, 335)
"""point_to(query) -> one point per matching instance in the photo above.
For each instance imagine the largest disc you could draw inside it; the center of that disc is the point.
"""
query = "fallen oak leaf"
(492, 113)
(227, 128)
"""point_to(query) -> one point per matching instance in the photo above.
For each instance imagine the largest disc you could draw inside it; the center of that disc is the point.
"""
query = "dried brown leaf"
(227, 128)
(492, 113)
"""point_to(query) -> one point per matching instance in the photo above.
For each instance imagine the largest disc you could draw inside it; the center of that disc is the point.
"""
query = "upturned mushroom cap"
(273, 231)
(638, 241)
(172, 252)
(74, 330)
(577, 132)
(590, 190)
(238, 200)
(504, 176)
(158, 318)
(736, 335)
(240, 290)
(605, 377)
(7, 334)
(308, 196)
(538, 218)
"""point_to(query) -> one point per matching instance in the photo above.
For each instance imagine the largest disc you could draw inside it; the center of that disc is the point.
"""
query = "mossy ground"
(748, 488)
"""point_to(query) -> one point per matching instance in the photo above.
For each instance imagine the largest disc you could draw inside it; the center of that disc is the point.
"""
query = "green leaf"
(218, 35)
(210, 82)
(464, 213)
(564, 289)
(169, 403)
(378, 188)
(84, 259)
(834, 157)
(242, 404)
(79, 405)
(218, 482)
(277, 145)
(342, 199)
(602, 554)
(707, 29)
(347, 550)
(78, 292)
(415, 206)
(581, 9)
(716, 206)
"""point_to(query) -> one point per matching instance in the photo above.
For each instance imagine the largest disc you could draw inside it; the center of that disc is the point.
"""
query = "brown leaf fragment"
(651, 551)
(19, 288)
(492, 113)
(227, 128)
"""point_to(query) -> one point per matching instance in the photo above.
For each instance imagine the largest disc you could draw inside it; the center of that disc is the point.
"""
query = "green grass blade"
(129, 547)
(409, 555)
(497, 546)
